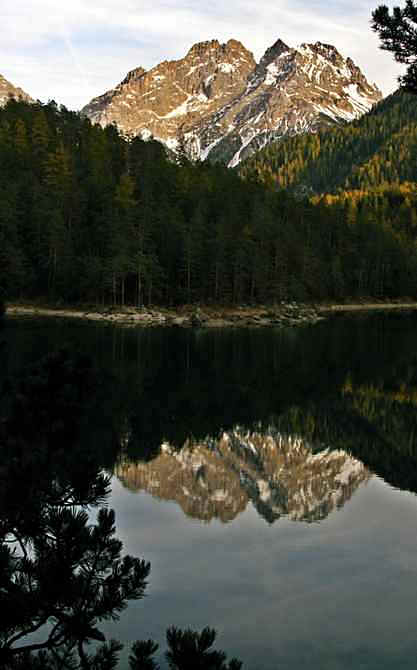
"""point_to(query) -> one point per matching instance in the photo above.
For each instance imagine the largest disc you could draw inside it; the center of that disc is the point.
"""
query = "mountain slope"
(218, 103)
(295, 91)
(379, 148)
(8, 90)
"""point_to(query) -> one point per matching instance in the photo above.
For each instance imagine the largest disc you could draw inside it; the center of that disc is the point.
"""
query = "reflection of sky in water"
(337, 594)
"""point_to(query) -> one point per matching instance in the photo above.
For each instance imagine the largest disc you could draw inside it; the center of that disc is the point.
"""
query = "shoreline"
(368, 307)
(288, 314)
(283, 314)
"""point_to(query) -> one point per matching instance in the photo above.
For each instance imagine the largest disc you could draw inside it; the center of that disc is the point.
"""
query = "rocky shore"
(280, 315)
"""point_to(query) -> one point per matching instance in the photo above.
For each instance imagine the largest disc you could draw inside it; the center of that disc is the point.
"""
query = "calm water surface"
(270, 478)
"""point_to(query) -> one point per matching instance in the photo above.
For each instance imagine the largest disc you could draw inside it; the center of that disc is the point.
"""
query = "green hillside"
(378, 149)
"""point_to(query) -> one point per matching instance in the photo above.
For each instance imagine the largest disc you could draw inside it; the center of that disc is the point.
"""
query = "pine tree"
(398, 34)
(55, 567)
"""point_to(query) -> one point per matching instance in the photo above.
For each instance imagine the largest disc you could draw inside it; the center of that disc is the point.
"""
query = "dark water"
(268, 475)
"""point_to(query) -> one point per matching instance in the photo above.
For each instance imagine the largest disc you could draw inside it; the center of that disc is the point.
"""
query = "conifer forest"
(89, 216)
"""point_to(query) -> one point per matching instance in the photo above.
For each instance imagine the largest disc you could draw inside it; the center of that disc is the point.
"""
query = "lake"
(270, 477)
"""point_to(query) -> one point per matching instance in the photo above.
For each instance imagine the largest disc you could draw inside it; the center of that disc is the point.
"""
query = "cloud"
(73, 51)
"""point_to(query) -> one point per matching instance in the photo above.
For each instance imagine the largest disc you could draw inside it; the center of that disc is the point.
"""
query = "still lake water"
(270, 477)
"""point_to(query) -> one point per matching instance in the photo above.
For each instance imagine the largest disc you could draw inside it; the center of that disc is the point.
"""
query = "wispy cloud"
(73, 51)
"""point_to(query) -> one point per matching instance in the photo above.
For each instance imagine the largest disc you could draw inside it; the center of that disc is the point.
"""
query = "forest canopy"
(89, 216)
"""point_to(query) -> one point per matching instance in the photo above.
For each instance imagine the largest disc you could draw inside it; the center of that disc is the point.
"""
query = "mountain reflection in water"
(279, 474)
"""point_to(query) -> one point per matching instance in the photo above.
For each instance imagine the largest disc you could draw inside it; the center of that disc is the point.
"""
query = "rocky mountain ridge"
(175, 95)
(8, 90)
(280, 475)
(217, 102)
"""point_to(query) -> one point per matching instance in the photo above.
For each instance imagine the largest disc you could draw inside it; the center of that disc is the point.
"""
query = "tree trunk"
(114, 288)
(139, 287)
(150, 292)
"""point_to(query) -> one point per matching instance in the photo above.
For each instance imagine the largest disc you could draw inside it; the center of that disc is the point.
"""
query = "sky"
(71, 51)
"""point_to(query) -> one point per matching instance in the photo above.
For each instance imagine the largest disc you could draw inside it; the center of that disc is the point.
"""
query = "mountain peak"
(216, 49)
(235, 44)
(272, 53)
(326, 50)
(203, 47)
(8, 90)
(133, 75)
(174, 96)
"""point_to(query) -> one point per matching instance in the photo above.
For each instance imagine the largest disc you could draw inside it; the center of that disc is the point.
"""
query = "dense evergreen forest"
(89, 216)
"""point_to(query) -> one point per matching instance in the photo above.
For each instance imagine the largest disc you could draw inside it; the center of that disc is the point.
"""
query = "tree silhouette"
(398, 34)
(190, 650)
(187, 650)
(61, 576)
(141, 655)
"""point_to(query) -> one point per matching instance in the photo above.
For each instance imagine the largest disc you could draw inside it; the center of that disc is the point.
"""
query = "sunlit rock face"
(279, 474)
(218, 102)
(7, 91)
(176, 96)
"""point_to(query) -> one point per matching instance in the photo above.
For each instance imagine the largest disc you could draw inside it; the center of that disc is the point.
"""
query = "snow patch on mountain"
(227, 68)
